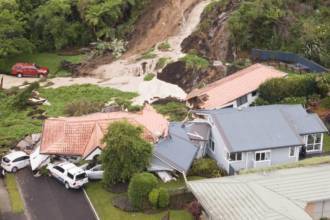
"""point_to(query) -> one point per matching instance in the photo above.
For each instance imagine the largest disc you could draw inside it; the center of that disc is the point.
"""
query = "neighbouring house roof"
(176, 150)
(230, 88)
(281, 194)
(264, 127)
(81, 135)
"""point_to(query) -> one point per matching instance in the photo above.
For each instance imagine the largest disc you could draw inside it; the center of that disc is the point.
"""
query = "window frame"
(315, 142)
(262, 152)
(294, 151)
(239, 101)
(235, 156)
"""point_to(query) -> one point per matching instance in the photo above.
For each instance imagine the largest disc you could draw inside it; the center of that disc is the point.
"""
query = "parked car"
(69, 174)
(14, 161)
(95, 173)
(29, 69)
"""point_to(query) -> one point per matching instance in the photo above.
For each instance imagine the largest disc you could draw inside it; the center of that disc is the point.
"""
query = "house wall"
(250, 100)
(220, 149)
(320, 209)
(277, 156)
(96, 152)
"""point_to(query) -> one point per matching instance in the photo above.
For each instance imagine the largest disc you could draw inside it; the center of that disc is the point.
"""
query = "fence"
(287, 57)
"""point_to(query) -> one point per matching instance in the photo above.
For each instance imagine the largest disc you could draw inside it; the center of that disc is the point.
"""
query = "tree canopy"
(126, 152)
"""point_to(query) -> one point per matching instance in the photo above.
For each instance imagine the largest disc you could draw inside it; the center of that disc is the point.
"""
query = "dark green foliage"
(82, 107)
(294, 100)
(325, 103)
(21, 99)
(176, 111)
(275, 90)
(206, 167)
(164, 198)
(290, 25)
(126, 152)
(139, 188)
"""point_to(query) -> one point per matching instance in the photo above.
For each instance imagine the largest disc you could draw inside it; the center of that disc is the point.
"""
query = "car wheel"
(67, 186)
(19, 75)
(14, 170)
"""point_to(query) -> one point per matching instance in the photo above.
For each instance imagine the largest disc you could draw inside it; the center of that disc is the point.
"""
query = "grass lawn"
(60, 97)
(102, 201)
(326, 143)
(16, 201)
(50, 60)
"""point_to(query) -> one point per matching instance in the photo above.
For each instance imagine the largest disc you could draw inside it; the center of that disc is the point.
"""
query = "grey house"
(261, 136)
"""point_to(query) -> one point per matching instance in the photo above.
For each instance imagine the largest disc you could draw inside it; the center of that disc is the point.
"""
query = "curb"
(91, 205)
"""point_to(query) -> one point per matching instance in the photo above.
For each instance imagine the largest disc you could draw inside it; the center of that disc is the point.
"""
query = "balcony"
(260, 164)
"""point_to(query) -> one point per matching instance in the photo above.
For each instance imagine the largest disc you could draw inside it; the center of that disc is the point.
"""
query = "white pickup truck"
(69, 174)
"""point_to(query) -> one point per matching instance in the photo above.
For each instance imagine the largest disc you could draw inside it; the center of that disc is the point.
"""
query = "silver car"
(95, 173)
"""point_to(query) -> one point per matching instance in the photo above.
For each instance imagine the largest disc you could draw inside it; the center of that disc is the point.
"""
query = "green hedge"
(139, 188)
(206, 167)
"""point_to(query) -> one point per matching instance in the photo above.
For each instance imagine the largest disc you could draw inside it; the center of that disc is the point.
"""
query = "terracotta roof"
(234, 86)
(81, 135)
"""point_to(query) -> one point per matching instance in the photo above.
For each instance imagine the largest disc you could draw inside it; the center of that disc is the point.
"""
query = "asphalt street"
(48, 199)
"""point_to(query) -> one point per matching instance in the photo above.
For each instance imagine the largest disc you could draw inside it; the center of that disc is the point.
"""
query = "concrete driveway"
(46, 198)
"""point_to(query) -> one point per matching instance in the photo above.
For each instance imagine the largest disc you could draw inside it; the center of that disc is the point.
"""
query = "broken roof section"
(176, 150)
(228, 89)
(79, 136)
(281, 194)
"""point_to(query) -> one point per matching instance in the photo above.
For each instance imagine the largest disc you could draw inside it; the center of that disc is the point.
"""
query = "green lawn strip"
(302, 163)
(326, 143)
(102, 201)
(50, 60)
(16, 201)
(60, 97)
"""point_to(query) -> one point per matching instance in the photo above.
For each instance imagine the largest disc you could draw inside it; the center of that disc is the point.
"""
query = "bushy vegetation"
(60, 97)
(162, 62)
(56, 24)
(159, 197)
(175, 111)
(126, 154)
(149, 77)
(82, 107)
(195, 63)
(290, 25)
(150, 54)
(139, 188)
(293, 90)
(164, 46)
(206, 167)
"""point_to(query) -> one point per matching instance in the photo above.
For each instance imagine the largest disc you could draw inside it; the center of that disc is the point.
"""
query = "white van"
(14, 161)
(69, 174)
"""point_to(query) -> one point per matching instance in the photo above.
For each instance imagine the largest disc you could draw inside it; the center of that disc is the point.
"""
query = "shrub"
(206, 167)
(153, 197)
(294, 100)
(82, 107)
(149, 77)
(164, 46)
(195, 209)
(325, 103)
(176, 111)
(195, 63)
(148, 55)
(139, 188)
(164, 198)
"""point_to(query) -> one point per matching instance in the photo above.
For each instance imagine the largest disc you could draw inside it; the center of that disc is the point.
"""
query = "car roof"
(15, 154)
(70, 167)
(24, 64)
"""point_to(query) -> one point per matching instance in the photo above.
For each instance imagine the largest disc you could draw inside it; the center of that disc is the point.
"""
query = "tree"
(126, 152)
(12, 40)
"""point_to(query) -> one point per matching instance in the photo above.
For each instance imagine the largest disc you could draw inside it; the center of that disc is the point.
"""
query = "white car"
(95, 173)
(14, 161)
(69, 174)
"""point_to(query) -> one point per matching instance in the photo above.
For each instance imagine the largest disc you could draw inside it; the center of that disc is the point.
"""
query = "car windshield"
(81, 176)
(5, 159)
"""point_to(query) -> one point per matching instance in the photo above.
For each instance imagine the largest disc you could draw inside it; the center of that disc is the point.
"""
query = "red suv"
(28, 69)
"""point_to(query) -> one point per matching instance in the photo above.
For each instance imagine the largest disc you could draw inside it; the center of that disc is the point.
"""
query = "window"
(314, 142)
(81, 176)
(292, 151)
(70, 175)
(60, 169)
(242, 100)
(234, 156)
(211, 144)
(262, 156)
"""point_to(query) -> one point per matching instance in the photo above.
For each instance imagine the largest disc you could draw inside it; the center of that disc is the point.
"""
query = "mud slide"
(127, 74)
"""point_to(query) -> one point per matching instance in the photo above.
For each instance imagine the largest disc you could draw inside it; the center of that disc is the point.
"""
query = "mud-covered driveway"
(46, 198)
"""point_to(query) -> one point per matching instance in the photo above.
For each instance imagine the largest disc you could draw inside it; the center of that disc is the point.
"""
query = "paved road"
(48, 199)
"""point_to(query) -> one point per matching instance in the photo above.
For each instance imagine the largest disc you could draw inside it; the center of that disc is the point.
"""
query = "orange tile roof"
(226, 90)
(79, 136)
